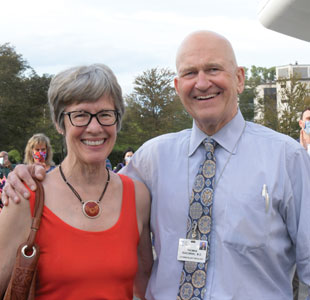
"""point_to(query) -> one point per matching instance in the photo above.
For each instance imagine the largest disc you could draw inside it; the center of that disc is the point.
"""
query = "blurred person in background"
(5, 165)
(39, 150)
(127, 155)
(304, 123)
(5, 168)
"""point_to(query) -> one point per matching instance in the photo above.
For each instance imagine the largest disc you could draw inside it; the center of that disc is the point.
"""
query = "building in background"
(284, 75)
(272, 95)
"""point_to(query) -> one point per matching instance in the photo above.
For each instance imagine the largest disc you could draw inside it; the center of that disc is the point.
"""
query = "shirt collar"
(227, 136)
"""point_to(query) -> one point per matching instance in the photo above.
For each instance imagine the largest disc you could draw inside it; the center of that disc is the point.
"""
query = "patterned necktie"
(193, 277)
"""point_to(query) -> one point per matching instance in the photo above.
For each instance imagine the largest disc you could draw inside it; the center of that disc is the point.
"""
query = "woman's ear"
(59, 130)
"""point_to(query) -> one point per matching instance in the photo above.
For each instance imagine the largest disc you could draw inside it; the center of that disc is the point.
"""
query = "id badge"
(192, 250)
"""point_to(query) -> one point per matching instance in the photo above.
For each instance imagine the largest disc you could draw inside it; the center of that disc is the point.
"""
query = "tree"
(152, 109)
(266, 109)
(12, 68)
(295, 96)
(246, 103)
(254, 77)
(23, 103)
(282, 110)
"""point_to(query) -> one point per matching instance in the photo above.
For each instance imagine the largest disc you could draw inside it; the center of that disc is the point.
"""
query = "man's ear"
(301, 124)
(240, 80)
(176, 84)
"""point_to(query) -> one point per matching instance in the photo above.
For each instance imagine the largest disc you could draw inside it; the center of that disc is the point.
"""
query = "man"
(260, 222)
(304, 123)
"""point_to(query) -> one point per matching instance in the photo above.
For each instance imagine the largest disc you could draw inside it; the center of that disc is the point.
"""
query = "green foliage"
(15, 157)
(12, 67)
(246, 103)
(261, 75)
(23, 103)
(268, 107)
(116, 157)
(284, 115)
(295, 96)
(152, 109)
(254, 77)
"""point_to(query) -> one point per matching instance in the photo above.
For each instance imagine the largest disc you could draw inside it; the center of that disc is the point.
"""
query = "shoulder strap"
(23, 278)
(38, 209)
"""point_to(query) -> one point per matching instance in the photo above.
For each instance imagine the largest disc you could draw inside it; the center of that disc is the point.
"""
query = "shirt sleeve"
(297, 211)
(136, 169)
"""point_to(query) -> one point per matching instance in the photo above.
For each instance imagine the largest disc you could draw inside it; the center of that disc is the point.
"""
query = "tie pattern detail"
(194, 275)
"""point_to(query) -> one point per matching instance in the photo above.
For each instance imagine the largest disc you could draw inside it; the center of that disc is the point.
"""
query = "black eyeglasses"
(83, 118)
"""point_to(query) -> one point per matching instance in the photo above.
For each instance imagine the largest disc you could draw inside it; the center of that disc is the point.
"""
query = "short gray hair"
(83, 84)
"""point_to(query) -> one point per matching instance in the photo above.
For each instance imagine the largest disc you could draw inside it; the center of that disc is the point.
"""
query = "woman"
(39, 150)
(94, 232)
(127, 155)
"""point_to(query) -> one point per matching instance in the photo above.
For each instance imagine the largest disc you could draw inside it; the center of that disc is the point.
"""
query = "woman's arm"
(15, 222)
(145, 256)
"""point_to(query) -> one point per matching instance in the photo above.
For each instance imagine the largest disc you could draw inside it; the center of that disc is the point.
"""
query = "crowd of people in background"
(39, 150)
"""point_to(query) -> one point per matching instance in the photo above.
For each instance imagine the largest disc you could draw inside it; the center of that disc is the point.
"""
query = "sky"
(133, 36)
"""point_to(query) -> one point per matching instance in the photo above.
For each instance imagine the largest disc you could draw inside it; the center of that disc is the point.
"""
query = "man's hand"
(14, 182)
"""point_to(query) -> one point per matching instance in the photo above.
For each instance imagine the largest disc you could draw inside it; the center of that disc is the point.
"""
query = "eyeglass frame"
(68, 113)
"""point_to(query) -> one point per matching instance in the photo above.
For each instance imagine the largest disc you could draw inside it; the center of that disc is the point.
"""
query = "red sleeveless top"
(77, 264)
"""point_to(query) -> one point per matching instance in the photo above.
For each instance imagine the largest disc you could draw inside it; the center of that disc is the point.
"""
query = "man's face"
(305, 117)
(209, 82)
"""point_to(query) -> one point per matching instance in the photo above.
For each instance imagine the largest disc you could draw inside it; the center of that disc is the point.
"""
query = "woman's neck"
(84, 173)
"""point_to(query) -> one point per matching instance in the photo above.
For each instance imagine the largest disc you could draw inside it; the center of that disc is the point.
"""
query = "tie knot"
(210, 144)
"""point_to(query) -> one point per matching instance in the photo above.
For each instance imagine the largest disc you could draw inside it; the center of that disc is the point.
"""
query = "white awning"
(290, 17)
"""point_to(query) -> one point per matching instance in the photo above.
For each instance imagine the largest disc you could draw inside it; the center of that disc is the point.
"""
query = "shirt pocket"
(247, 223)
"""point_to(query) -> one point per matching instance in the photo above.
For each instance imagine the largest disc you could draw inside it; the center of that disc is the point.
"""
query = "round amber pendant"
(91, 209)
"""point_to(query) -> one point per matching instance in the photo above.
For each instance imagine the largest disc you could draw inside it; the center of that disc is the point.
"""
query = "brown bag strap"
(38, 209)
(23, 278)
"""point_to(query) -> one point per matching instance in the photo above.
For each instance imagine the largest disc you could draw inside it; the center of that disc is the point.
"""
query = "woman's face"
(93, 143)
(128, 157)
(39, 152)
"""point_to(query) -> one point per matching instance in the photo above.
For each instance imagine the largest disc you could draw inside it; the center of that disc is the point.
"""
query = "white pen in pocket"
(266, 196)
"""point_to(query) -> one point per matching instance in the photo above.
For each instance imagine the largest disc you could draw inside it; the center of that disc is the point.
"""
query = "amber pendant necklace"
(91, 208)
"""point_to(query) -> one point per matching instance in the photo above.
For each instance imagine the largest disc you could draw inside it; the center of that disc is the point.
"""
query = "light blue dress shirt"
(255, 242)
